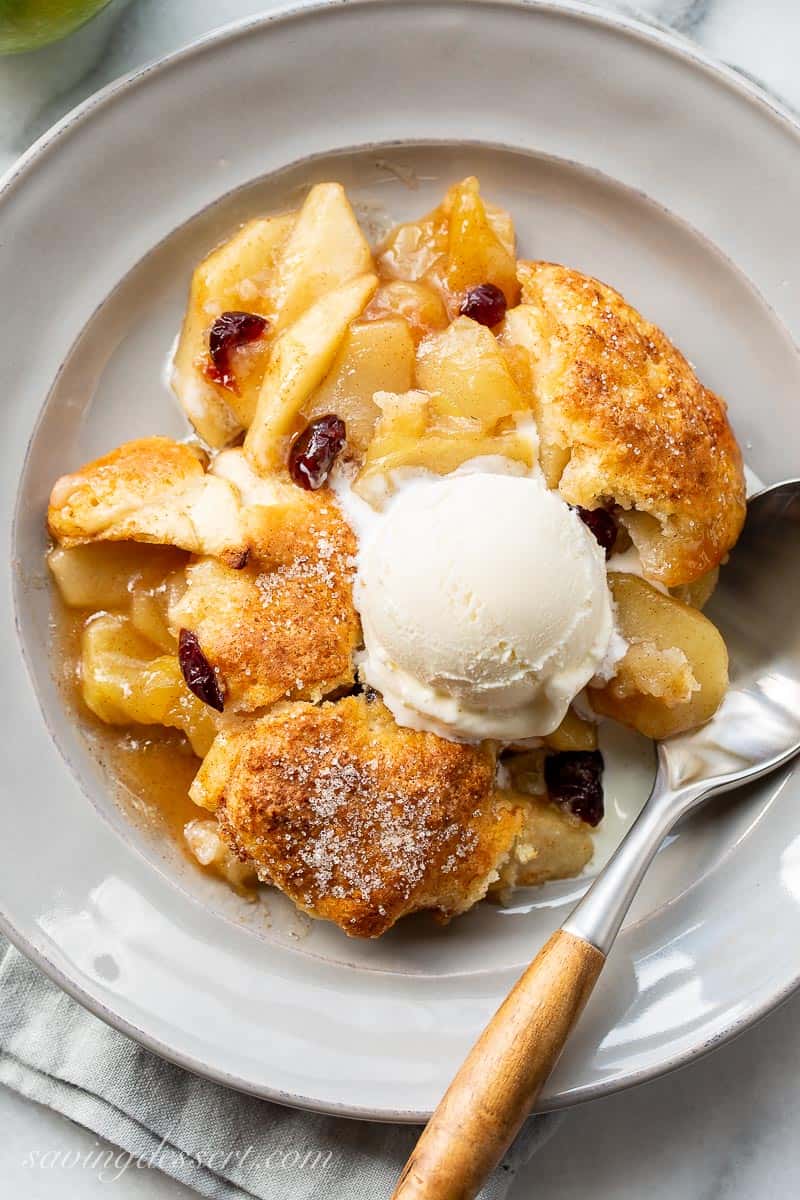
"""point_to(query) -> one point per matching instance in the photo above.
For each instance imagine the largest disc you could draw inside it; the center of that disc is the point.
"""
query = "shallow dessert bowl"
(626, 154)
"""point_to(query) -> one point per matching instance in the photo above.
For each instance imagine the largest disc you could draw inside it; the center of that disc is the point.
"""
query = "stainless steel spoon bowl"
(756, 729)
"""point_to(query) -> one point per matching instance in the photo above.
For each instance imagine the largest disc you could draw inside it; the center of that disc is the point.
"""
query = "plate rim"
(670, 40)
(654, 35)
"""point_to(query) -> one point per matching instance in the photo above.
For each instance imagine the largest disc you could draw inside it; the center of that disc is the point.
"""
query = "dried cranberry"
(603, 524)
(485, 304)
(230, 330)
(313, 452)
(200, 676)
(574, 778)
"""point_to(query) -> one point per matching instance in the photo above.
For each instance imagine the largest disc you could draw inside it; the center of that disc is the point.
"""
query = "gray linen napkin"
(220, 1142)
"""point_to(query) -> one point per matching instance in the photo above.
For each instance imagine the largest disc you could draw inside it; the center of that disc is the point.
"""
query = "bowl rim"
(654, 35)
(639, 29)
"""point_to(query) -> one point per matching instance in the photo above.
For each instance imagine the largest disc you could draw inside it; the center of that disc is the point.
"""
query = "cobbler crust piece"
(623, 419)
(150, 490)
(284, 626)
(357, 820)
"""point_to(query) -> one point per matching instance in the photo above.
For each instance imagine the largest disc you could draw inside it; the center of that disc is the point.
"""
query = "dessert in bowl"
(447, 510)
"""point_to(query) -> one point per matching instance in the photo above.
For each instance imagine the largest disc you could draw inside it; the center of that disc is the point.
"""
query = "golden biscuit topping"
(356, 819)
(151, 490)
(623, 419)
(284, 626)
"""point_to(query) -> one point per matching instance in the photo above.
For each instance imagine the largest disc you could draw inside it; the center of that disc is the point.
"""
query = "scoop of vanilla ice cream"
(485, 607)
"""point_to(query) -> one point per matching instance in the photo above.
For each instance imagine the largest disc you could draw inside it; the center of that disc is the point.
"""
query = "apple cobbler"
(441, 513)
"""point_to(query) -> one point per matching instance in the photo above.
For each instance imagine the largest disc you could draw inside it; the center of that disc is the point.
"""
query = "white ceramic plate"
(620, 151)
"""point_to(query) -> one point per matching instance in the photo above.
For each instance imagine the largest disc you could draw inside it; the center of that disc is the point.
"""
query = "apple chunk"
(104, 575)
(374, 355)
(417, 429)
(574, 733)
(462, 243)
(675, 672)
(419, 305)
(124, 681)
(465, 366)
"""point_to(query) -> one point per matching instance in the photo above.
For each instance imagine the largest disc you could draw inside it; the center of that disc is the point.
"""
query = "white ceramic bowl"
(619, 150)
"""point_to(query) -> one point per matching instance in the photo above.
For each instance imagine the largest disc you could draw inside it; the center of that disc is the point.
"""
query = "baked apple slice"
(477, 253)
(675, 672)
(325, 249)
(465, 367)
(301, 358)
(236, 277)
(104, 575)
(248, 291)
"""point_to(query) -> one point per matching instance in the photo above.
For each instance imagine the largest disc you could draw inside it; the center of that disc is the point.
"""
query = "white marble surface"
(722, 1129)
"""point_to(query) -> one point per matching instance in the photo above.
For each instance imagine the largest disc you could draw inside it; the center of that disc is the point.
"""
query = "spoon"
(755, 730)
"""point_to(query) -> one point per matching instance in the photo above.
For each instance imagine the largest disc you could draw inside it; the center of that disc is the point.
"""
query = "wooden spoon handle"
(497, 1084)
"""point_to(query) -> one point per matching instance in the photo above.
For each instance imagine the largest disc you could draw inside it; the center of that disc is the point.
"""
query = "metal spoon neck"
(597, 918)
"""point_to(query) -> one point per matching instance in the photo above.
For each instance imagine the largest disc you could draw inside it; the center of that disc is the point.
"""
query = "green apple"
(28, 24)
